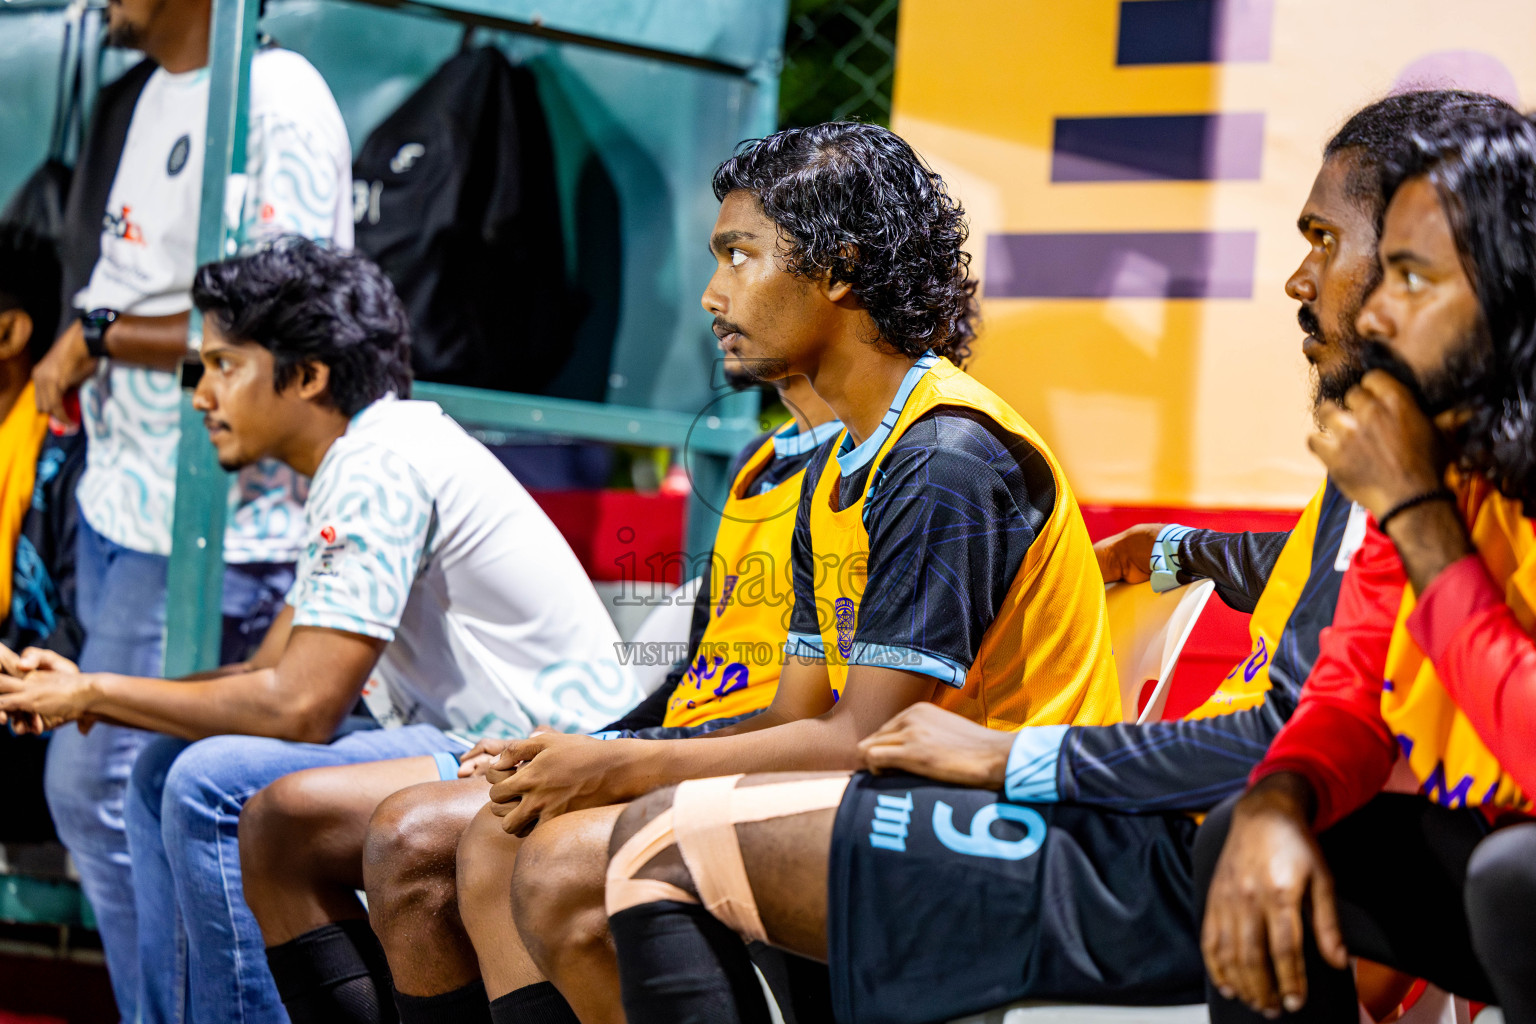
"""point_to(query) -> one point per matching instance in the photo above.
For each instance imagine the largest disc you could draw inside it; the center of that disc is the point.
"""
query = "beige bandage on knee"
(702, 823)
(705, 813)
(623, 890)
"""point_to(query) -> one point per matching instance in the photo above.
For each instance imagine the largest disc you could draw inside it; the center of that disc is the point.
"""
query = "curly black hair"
(1375, 132)
(1484, 171)
(308, 302)
(853, 201)
(30, 280)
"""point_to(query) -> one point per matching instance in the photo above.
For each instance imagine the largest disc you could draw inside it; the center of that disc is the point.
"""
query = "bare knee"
(486, 857)
(557, 887)
(408, 859)
(280, 827)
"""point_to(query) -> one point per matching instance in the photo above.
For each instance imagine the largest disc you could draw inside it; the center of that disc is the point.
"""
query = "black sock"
(540, 1003)
(335, 973)
(461, 1006)
(678, 965)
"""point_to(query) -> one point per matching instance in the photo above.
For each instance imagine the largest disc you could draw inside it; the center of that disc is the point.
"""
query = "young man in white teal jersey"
(430, 584)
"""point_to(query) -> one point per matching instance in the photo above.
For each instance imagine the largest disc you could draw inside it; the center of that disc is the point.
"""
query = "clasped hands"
(551, 773)
(41, 690)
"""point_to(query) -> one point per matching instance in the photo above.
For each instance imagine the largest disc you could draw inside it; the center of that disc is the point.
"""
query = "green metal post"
(195, 584)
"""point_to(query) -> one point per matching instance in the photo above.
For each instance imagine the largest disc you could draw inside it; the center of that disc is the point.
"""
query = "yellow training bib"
(1046, 657)
(1451, 762)
(735, 670)
(1248, 682)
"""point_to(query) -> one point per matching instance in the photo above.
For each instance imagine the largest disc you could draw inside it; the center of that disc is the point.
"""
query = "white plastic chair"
(1149, 631)
(666, 623)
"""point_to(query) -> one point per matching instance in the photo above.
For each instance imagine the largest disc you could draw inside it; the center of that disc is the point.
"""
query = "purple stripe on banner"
(1161, 147)
(1194, 31)
(1135, 265)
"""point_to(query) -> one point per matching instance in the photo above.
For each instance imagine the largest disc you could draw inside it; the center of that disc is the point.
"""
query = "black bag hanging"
(454, 197)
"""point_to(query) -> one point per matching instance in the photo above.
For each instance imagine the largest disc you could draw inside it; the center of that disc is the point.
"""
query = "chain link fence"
(839, 61)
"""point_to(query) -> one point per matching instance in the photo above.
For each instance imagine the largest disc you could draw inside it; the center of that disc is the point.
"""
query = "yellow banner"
(1132, 173)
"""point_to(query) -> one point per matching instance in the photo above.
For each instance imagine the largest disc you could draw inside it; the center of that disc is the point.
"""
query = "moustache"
(1309, 322)
(724, 327)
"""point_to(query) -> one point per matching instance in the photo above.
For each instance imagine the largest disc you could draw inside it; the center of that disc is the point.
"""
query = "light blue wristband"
(1031, 777)
(1165, 557)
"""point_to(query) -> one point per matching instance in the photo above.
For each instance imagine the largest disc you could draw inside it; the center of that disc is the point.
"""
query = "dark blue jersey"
(1193, 765)
(951, 512)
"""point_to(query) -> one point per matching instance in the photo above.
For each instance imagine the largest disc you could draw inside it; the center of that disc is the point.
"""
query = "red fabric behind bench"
(1220, 639)
(626, 536)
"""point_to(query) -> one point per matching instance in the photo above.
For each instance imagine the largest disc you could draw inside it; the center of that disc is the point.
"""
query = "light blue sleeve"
(1031, 777)
(367, 527)
(1165, 557)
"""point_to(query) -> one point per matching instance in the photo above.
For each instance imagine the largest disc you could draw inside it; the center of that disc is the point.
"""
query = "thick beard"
(1463, 378)
(1332, 387)
(1460, 379)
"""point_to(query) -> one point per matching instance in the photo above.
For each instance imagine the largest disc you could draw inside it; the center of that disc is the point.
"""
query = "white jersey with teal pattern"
(416, 535)
(298, 181)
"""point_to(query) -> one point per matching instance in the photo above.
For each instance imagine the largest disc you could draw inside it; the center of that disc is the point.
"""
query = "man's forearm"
(253, 704)
(1187, 765)
(1240, 564)
(814, 744)
(159, 342)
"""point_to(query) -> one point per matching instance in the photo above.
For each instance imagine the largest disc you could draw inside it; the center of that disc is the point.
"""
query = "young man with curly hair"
(938, 555)
(431, 585)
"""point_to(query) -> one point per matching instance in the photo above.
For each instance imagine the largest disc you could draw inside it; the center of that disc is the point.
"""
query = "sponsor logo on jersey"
(121, 225)
(888, 830)
(406, 156)
(177, 160)
(725, 595)
(325, 564)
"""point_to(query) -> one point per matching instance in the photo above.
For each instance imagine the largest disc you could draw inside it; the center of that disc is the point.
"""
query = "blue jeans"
(183, 815)
(120, 598)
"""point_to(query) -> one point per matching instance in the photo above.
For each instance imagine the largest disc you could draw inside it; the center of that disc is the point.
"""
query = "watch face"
(94, 326)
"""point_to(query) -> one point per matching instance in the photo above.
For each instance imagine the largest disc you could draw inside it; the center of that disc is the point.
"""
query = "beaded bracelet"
(1438, 494)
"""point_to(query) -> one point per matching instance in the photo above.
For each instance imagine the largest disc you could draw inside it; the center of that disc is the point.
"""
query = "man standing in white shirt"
(123, 352)
(430, 583)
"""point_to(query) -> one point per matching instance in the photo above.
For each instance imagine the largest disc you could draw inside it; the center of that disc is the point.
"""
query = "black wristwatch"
(94, 325)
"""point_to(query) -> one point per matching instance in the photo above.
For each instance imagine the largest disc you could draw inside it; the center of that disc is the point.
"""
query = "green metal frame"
(195, 581)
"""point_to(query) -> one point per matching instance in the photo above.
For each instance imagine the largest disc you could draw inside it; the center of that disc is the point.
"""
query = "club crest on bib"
(847, 618)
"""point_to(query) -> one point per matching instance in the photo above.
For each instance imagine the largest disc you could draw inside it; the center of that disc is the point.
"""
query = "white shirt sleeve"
(298, 158)
(369, 521)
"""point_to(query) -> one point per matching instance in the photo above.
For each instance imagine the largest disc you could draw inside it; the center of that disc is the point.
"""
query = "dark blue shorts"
(945, 901)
